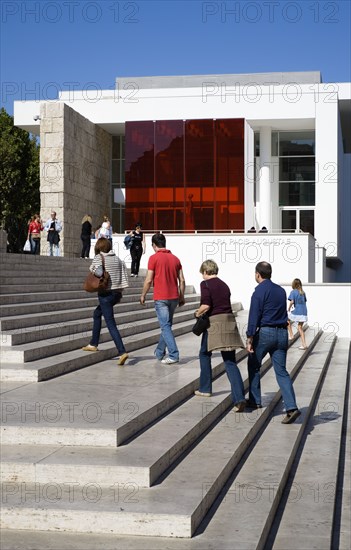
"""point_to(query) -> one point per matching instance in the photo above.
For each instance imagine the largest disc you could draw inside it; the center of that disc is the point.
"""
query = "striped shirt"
(115, 267)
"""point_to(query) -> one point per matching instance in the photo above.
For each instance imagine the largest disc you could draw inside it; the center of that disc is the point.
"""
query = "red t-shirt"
(35, 227)
(166, 267)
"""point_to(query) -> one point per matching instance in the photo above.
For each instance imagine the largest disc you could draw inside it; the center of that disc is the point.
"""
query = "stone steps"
(73, 322)
(315, 480)
(176, 505)
(72, 358)
(259, 485)
(52, 296)
(42, 332)
(105, 453)
(143, 462)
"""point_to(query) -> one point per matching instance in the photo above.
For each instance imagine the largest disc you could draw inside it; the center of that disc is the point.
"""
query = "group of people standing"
(53, 227)
(267, 330)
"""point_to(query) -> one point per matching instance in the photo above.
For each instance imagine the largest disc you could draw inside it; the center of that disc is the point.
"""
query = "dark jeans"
(136, 254)
(35, 245)
(86, 246)
(105, 308)
(275, 342)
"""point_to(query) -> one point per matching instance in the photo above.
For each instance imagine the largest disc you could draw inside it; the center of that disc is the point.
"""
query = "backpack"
(128, 241)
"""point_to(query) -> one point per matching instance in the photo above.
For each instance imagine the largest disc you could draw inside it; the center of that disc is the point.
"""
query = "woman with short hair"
(222, 335)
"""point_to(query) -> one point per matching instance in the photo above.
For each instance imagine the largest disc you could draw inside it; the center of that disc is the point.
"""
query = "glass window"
(288, 220)
(199, 152)
(307, 221)
(116, 153)
(297, 169)
(257, 143)
(116, 171)
(296, 143)
(296, 194)
(275, 144)
(118, 223)
(185, 175)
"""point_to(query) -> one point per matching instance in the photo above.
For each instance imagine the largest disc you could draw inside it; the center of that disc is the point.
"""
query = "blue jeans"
(165, 310)
(233, 373)
(275, 342)
(54, 249)
(105, 308)
(35, 245)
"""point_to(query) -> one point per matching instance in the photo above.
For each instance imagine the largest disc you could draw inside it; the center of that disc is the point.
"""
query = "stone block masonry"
(75, 165)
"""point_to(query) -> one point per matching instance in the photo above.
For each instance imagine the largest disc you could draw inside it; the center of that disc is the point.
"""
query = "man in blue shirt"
(267, 333)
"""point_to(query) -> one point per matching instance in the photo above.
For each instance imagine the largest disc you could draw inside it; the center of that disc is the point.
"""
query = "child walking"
(297, 299)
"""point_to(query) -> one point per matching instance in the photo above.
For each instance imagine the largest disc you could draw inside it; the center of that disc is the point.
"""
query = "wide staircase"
(101, 456)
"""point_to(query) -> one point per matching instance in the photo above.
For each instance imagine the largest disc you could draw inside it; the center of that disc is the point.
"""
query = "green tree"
(19, 180)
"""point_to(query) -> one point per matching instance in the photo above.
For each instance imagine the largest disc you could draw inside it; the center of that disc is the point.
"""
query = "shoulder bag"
(202, 324)
(93, 283)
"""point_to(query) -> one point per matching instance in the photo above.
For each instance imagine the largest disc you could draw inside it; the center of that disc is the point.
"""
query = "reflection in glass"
(297, 169)
(288, 220)
(185, 175)
(296, 143)
(307, 221)
(296, 194)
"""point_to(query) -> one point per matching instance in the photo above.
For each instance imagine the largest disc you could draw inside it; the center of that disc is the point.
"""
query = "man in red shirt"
(165, 271)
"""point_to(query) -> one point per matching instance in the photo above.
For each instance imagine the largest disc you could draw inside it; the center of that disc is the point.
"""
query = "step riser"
(89, 475)
(92, 522)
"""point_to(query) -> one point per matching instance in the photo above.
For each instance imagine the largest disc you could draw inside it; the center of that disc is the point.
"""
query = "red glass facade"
(185, 175)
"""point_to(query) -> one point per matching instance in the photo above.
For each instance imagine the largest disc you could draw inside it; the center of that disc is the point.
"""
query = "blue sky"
(47, 46)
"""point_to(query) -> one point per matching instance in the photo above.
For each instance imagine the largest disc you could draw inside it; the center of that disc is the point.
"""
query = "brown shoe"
(240, 407)
(89, 347)
(123, 358)
(291, 416)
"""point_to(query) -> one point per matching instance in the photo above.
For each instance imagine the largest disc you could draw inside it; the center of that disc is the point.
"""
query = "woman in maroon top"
(223, 335)
(34, 228)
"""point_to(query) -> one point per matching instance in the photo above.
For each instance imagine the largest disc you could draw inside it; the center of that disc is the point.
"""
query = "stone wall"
(75, 166)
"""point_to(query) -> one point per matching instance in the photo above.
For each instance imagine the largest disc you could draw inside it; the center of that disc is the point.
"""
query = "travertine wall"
(75, 166)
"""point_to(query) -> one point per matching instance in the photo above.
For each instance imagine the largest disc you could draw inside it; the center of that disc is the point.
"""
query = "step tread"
(183, 498)
(135, 459)
(261, 480)
(316, 473)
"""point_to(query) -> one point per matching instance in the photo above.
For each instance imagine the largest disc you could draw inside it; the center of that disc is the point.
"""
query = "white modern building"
(214, 153)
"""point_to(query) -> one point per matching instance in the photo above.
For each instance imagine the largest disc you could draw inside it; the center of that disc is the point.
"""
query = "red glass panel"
(185, 175)
(139, 171)
(230, 173)
(169, 174)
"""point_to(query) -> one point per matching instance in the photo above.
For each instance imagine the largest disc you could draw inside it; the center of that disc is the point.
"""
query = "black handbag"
(202, 324)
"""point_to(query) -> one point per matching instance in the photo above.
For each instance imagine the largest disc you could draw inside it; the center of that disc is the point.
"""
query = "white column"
(265, 179)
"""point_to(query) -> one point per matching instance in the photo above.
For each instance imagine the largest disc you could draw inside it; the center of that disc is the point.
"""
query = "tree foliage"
(19, 180)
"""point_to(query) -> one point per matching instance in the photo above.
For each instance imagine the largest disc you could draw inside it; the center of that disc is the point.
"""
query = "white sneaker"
(169, 361)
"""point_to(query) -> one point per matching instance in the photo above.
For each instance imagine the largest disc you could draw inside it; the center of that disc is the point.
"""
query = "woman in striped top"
(108, 298)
